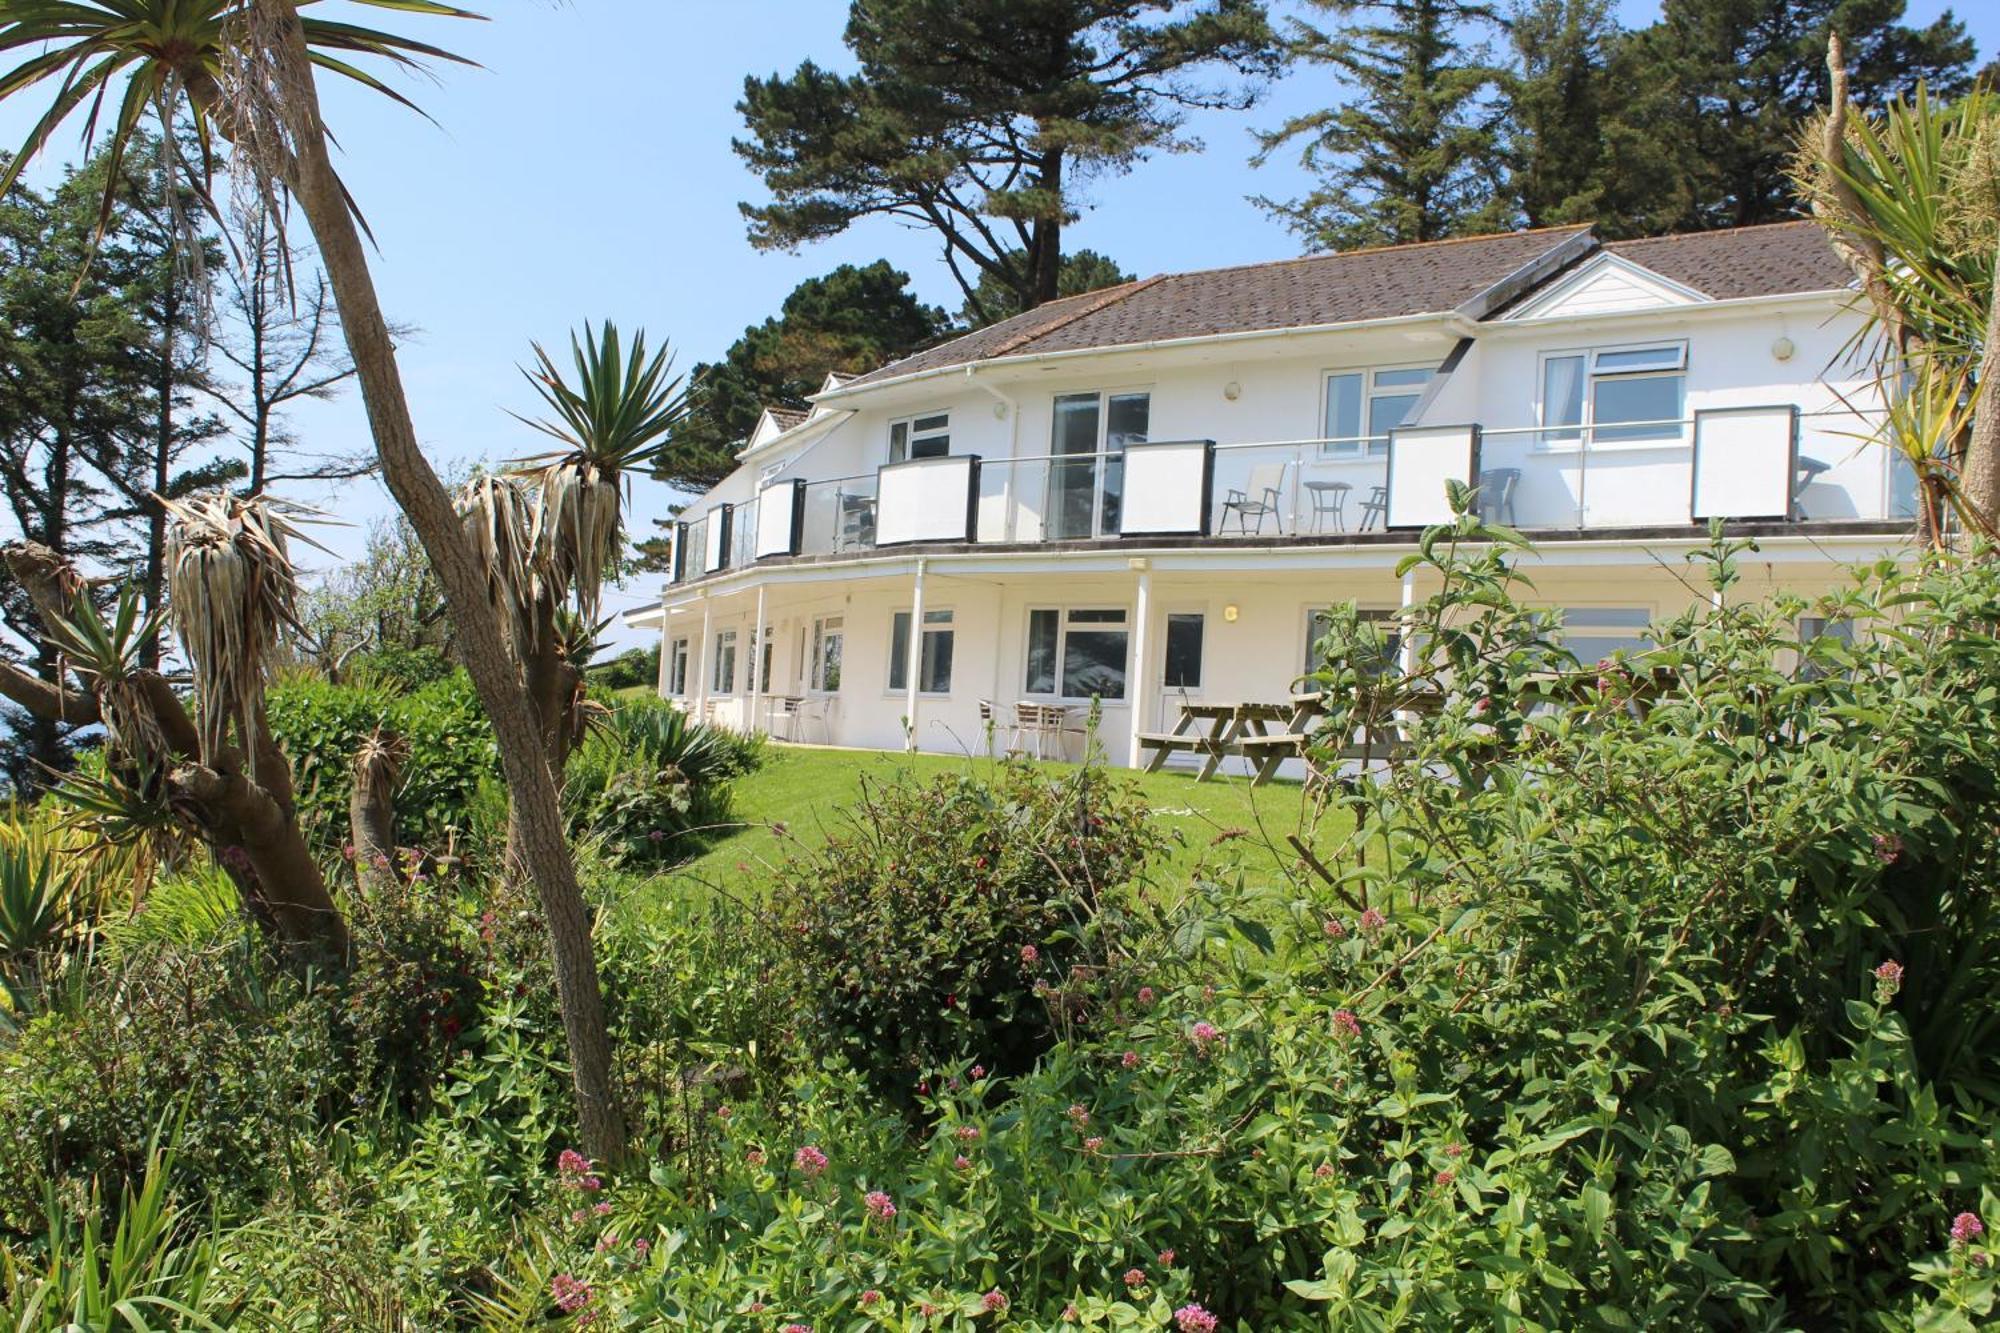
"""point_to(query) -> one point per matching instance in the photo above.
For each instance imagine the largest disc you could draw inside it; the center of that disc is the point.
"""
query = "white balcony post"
(756, 664)
(701, 680)
(662, 676)
(913, 660)
(1138, 689)
(1407, 650)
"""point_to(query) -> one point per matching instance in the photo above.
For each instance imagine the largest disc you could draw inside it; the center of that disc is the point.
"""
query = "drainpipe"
(707, 635)
(1141, 692)
(913, 659)
(756, 663)
(1013, 411)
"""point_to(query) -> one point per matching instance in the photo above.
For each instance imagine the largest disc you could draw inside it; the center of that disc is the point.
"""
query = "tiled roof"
(788, 417)
(1381, 283)
(1772, 260)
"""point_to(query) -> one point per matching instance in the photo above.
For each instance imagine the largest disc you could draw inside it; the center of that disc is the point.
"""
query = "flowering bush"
(959, 918)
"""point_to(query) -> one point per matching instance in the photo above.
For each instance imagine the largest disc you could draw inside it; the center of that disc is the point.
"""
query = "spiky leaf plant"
(499, 516)
(611, 421)
(233, 592)
(107, 650)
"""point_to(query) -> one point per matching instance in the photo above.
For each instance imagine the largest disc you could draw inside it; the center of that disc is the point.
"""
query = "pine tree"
(1082, 271)
(1415, 153)
(977, 119)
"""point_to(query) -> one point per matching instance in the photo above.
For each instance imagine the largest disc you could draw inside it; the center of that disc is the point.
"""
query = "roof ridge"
(1379, 249)
(1716, 231)
(1107, 296)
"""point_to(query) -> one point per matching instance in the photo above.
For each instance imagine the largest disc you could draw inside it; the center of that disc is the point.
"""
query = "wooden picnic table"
(1234, 729)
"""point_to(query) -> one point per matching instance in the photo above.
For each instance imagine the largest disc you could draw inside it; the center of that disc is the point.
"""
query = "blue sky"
(585, 172)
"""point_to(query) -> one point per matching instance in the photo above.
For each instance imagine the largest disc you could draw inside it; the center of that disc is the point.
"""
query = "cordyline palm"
(246, 68)
(1910, 198)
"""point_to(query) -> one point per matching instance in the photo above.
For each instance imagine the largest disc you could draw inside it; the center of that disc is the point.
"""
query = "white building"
(1144, 494)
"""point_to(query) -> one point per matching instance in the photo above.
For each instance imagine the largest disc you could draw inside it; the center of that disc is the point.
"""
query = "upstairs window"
(934, 671)
(1363, 406)
(920, 437)
(1616, 394)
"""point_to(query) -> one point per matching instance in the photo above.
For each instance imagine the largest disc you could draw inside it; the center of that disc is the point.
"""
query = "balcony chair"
(995, 719)
(1258, 498)
(1809, 471)
(1046, 723)
(1375, 509)
(787, 710)
(1329, 502)
(855, 522)
(1496, 494)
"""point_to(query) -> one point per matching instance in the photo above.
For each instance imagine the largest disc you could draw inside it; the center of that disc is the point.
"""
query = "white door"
(1183, 652)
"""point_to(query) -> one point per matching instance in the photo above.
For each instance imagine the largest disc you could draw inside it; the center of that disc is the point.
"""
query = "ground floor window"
(1078, 653)
(828, 637)
(1594, 633)
(1318, 622)
(934, 671)
(724, 678)
(677, 668)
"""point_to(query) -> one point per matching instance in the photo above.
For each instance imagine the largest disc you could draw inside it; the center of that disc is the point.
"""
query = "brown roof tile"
(1380, 283)
(1775, 259)
(787, 417)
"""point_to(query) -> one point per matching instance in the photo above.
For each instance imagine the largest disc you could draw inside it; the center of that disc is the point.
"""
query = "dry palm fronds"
(579, 530)
(233, 591)
(499, 518)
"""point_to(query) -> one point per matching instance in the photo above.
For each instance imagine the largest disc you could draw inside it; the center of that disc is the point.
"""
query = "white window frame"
(900, 661)
(730, 639)
(680, 661)
(1639, 630)
(1566, 438)
(1063, 614)
(911, 436)
(1365, 446)
(823, 628)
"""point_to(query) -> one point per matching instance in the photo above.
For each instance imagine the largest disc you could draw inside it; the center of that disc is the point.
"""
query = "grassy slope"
(807, 787)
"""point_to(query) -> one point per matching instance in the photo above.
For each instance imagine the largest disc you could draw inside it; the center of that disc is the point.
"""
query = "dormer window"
(920, 437)
(1616, 394)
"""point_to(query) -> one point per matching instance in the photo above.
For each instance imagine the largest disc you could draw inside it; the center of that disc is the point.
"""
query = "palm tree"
(245, 69)
(1910, 199)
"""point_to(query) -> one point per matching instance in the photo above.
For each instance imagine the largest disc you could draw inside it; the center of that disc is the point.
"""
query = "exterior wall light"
(1783, 347)
(1232, 391)
(1229, 613)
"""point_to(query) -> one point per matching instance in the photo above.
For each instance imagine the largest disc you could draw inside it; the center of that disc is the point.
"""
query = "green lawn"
(806, 788)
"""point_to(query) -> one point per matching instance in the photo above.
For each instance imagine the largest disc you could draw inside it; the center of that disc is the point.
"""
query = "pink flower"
(755, 1157)
(1191, 1318)
(1146, 996)
(1130, 1060)
(993, 1301)
(1888, 848)
(962, 1162)
(1205, 1035)
(1454, 1149)
(758, 1307)
(879, 1204)
(1345, 1024)
(1965, 1228)
(1888, 979)
(1166, 1258)
(1069, 1315)
(1334, 930)
(570, 1293)
(870, 1297)
(967, 1133)
(1093, 1143)
(1445, 1177)
(927, 1310)
(642, 1247)
(570, 1162)
(1078, 1115)
(1030, 955)
(601, 1209)
(1372, 920)
(809, 1160)
(1135, 1277)
(1323, 1170)
(577, 1217)
(979, 1071)
(724, 1112)
(794, 1328)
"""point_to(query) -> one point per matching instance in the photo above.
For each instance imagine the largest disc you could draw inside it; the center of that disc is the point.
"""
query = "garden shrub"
(652, 784)
(953, 918)
(321, 726)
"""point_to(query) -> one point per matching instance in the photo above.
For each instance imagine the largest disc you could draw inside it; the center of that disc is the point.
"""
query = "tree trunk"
(1979, 480)
(1047, 257)
(155, 589)
(371, 808)
(424, 500)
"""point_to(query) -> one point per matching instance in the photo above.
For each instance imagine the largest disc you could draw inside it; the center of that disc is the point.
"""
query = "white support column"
(756, 664)
(1139, 688)
(664, 675)
(1407, 654)
(914, 658)
(701, 679)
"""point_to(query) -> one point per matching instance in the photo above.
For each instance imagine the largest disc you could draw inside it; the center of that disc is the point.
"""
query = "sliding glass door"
(1087, 472)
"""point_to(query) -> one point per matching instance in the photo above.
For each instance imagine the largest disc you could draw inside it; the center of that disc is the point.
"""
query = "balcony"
(1744, 463)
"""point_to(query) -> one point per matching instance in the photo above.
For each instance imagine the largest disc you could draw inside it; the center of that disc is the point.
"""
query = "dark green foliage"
(988, 152)
(852, 320)
(402, 667)
(630, 669)
(652, 784)
(948, 919)
(1083, 271)
(1410, 153)
(321, 727)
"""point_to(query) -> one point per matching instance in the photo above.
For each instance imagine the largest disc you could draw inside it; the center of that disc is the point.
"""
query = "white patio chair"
(1260, 497)
(997, 718)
